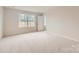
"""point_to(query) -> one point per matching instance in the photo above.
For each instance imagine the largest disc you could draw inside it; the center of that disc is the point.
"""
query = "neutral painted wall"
(11, 25)
(1, 22)
(64, 21)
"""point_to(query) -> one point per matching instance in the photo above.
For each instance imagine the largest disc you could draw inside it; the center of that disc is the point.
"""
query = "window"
(32, 22)
(27, 20)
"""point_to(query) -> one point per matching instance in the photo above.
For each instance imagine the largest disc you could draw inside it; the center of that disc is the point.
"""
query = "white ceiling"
(42, 9)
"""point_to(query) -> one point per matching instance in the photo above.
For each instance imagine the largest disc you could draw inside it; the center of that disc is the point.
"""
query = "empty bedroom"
(39, 29)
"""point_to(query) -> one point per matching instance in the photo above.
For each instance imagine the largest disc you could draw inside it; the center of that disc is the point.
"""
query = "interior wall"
(40, 23)
(64, 21)
(11, 25)
(1, 22)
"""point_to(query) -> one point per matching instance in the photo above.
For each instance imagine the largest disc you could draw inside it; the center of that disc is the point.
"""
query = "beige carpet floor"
(38, 42)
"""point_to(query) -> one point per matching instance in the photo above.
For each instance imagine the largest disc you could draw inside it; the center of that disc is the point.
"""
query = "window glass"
(26, 20)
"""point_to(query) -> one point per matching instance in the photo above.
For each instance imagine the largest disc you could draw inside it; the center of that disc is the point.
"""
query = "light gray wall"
(64, 21)
(1, 22)
(11, 25)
